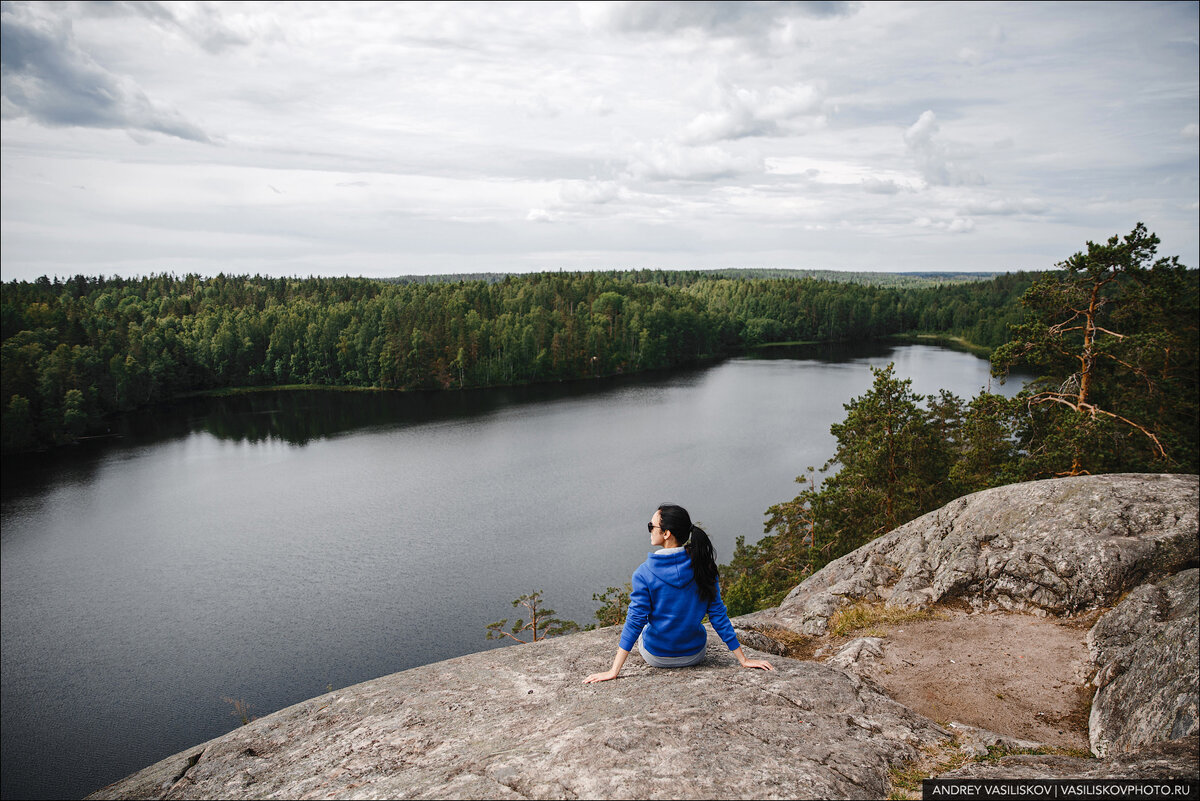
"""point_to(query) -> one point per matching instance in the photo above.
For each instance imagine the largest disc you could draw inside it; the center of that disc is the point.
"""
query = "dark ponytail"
(695, 541)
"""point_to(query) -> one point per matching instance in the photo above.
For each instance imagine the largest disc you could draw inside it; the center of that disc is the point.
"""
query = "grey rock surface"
(517, 722)
(857, 654)
(1174, 759)
(1054, 547)
(1147, 657)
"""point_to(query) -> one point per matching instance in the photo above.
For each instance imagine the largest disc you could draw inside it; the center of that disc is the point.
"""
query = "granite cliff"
(1110, 561)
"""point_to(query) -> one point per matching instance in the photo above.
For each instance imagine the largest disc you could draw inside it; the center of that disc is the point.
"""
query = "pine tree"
(541, 624)
(1114, 336)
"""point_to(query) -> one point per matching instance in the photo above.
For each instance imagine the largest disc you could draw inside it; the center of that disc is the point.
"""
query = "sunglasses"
(650, 528)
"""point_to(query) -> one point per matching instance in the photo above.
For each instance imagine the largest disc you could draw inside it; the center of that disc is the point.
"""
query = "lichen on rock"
(1147, 667)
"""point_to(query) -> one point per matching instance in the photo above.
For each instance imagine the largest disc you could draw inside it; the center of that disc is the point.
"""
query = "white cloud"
(732, 122)
(48, 78)
(600, 106)
(846, 172)
(969, 55)
(880, 187)
(934, 158)
(539, 106)
(420, 137)
(955, 225)
(590, 192)
(743, 112)
(713, 18)
(202, 23)
(665, 161)
(1007, 206)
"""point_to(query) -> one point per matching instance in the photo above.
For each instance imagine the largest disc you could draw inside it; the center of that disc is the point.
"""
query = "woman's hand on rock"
(761, 664)
(607, 675)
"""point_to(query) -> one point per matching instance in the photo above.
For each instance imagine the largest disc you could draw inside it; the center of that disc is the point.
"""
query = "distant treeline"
(75, 351)
(683, 277)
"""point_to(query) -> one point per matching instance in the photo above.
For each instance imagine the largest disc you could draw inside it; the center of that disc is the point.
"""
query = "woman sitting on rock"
(672, 592)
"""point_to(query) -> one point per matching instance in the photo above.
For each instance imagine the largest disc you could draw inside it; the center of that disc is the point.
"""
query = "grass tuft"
(869, 617)
(931, 762)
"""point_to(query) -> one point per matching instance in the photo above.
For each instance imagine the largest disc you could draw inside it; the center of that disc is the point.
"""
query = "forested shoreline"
(1112, 336)
(77, 351)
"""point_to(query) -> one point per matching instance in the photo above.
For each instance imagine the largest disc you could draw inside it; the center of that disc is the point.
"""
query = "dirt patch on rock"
(1013, 674)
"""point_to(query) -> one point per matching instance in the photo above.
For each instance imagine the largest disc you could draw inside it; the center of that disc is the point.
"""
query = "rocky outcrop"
(1147, 667)
(518, 722)
(1052, 547)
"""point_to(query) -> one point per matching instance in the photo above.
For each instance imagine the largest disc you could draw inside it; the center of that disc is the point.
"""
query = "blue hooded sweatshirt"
(665, 608)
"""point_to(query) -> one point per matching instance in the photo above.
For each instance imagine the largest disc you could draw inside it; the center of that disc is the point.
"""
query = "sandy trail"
(1013, 674)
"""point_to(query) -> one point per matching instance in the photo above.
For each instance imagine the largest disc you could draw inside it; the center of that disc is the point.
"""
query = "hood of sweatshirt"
(672, 568)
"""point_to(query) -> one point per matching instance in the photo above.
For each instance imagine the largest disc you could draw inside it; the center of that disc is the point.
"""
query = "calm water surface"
(269, 546)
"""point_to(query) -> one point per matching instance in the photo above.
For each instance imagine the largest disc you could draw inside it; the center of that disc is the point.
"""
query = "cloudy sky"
(400, 138)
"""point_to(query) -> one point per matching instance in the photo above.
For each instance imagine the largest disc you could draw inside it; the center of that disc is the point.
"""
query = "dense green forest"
(1112, 335)
(77, 351)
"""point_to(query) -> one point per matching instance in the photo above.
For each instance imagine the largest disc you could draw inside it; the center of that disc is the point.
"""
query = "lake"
(266, 547)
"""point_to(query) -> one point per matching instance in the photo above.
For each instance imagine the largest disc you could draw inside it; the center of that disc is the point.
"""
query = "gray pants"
(669, 661)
